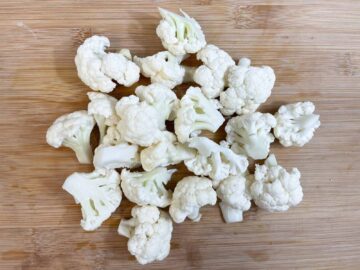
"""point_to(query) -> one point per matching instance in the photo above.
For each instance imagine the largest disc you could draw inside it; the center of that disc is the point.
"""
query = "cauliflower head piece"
(212, 75)
(149, 232)
(249, 87)
(196, 113)
(275, 189)
(145, 188)
(190, 194)
(97, 192)
(249, 134)
(296, 123)
(180, 34)
(73, 130)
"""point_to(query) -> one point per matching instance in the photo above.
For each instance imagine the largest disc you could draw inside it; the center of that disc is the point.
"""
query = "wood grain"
(314, 48)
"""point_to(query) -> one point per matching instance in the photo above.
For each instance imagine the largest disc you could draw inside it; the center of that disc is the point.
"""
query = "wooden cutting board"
(314, 47)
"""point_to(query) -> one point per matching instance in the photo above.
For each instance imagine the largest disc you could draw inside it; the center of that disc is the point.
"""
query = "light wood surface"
(314, 47)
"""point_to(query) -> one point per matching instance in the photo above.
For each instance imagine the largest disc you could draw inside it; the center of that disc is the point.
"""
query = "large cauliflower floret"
(145, 188)
(296, 123)
(196, 113)
(102, 108)
(274, 189)
(180, 34)
(139, 122)
(149, 232)
(97, 69)
(167, 152)
(73, 130)
(163, 68)
(235, 196)
(190, 194)
(214, 160)
(162, 98)
(248, 88)
(97, 192)
(212, 76)
(250, 134)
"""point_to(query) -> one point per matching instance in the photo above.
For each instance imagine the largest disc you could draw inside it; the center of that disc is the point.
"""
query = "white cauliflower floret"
(296, 123)
(145, 188)
(73, 130)
(248, 88)
(274, 189)
(112, 136)
(235, 196)
(163, 68)
(180, 34)
(123, 155)
(167, 152)
(139, 122)
(212, 76)
(162, 98)
(149, 232)
(97, 69)
(102, 108)
(190, 194)
(250, 134)
(97, 192)
(214, 160)
(196, 113)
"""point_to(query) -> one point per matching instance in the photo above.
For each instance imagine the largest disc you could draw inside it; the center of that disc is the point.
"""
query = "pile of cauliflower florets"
(133, 137)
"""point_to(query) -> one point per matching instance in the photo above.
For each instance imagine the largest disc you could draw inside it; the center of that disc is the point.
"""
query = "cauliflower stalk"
(149, 232)
(97, 192)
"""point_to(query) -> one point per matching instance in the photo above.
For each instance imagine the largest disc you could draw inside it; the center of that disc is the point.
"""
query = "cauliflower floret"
(97, 69)
(250, 134)
(212, 76)
(162, 98)
(145, 188)
(102, 108)
(112, 136)
(73, 130)
(274, 189)
(248, 88)
(167, 152)
(196, 113)
(180, 34)
(190, 194)
(123, 155)
(234, 193)
(139, 122)
(214, 160)
(296, 123)
(97, 192)
(149, 232)
(163, 68)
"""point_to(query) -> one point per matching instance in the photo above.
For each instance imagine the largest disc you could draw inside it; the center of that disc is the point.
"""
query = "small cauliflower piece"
(97, 69)
(248, 88)
(196, 113)
(167, 152)
(145, 188)
(274, 189)
(190, 194)
(250, 134)
(212, 76)
(112, 136)
(97, 192)
(235, 196)
(214, 160)
(296, 123)
(139, 122)
(73, 130)
(149, 232)
(123, 155)
(180, 34)
(102, 108)
(163, 68)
